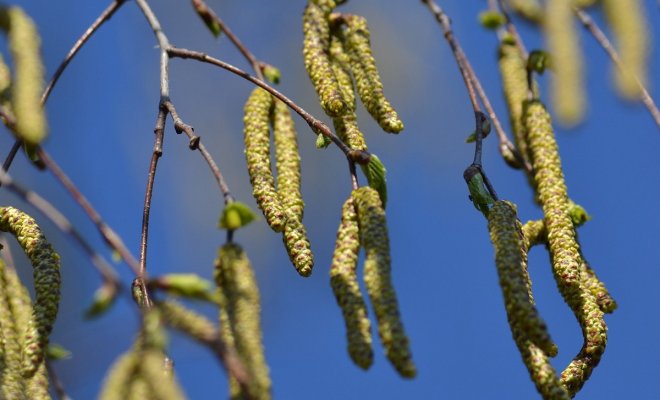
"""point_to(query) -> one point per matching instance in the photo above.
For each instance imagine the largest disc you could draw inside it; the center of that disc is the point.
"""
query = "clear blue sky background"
(102, 115)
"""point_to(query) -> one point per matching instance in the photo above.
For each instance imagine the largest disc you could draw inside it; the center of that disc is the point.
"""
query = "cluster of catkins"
(26, 325)
(581, 289)
(628, 24)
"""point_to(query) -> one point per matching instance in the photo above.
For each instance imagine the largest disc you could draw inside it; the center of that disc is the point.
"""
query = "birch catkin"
(118, 381)
(239, 298)
(24, 45)
(367, 78)
(46, 265)
(511, 261)
(378, 280)
(628, 23)
(564, 45)
(257, 152)
(345, 125)
(316, 42)
(563, 246)
(12, 383)
(343, 279)
(530, 9)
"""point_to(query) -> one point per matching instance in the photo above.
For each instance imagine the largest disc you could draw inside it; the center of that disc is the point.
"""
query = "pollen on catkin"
(511, 262)
(257, 152)
(46, 266)
(628, 23)
(24, 46)
(117, 383)
(563, 246)
(563, 42)
(187, 321)
(378, 279)
(287, 160)
(343, 279)
(163, 384)
(367, 78)
(316, 42)
(239, 299)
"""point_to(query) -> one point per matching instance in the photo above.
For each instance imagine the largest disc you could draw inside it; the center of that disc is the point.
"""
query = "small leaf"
(578, 214)
(272, 73)
(375, 172)
(31, 153)
(56, 352)
(322, 141)
(191, 286)
(538, 61)
(236, 215)
(479, 194)
(104, 298)
(471, 138)
(491, 19)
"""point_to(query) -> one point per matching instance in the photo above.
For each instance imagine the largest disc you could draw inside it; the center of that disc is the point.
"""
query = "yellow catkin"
(159, 379)
(584, 3)
(235, 390)
(367, 78)
(511, 262)
(628, 22)
(513, 71)
(563, 42)
(24, 46)
(37, 385)
(316, 31)
(117, 383)
(535, 233)
(139, 390)
(563, 246)
(529, 9)
(346, 125)
(378, 279)
(12, 383)
(343, 279)
(288, 187)
(46, 266)
(257, 152)
(239, 298)
(287, 160)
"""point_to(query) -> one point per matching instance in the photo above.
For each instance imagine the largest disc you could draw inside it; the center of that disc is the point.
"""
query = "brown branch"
(105, 16)
(57, 383)
(106, 271)
(196, 144)
(601, 38)
(109, 235)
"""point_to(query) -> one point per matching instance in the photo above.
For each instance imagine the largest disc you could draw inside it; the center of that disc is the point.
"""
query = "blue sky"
(102, 116)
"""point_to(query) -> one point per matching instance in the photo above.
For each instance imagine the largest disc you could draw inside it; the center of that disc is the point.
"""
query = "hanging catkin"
(346, 125)
(513, 72)
(24, 46)
(161, 383)
(257, 152)
(563, 246)
(343, 279)
(12, 383)
(118, 381)
(529, 9)
(628, 22)
(288, 188)
(564, 45)
(511, 262)
(367, 78)
(316, 42)
(378, 279)
(239, 299)
(46, 266)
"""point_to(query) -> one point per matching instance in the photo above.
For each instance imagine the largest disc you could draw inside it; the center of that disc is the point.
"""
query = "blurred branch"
(601, 38)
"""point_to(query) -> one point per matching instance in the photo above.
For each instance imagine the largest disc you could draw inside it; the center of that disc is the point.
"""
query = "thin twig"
(106, 271)
(163, 43)
(105, 16)
(196, 144)
(10, 156)
(601, 38)
(254, 62)
(57, 383)
(317, 125)
(109, 235)
(510, 27)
